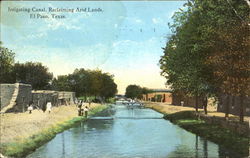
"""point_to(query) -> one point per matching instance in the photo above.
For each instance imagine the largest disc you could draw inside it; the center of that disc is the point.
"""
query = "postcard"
(121, 79)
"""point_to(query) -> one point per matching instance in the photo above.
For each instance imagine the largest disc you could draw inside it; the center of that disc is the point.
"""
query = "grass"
(110, 100)
(25, 147)
(215, 133)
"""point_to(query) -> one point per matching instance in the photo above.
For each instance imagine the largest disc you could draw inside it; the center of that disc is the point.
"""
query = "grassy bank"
(214, 133)
(23, 147)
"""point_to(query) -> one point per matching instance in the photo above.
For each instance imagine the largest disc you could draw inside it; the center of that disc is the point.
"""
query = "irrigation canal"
(128, 133)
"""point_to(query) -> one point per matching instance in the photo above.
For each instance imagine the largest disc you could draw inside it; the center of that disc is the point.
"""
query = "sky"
(124, 38)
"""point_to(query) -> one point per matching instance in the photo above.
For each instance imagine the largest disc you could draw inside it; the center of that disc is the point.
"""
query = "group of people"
(31, 107)
(82, 109)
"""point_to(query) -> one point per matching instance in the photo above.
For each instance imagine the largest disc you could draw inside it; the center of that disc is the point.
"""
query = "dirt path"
(16, 127)
(168, 109)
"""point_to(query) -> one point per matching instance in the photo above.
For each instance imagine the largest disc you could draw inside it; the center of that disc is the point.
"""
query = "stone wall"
(188, 101)
(165, 97)
(174, 99)
(25, 95)
(66, 97)
(6, 92)
(41, 97)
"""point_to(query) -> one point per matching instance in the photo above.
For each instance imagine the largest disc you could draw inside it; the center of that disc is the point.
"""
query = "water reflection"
(205, 148)
(198, 148)
(123, 138)
(63, 146)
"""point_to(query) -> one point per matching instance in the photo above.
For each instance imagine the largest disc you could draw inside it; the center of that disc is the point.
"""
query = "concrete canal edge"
(29, 145)
(225, 136)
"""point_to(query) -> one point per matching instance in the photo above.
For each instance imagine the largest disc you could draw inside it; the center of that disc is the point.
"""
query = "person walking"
(43, 106)
(182, 103)
(86, 110)
(89, 102)
(79, 108)
(83, 107)
(76, 101)
(48, 106)
(30, 108)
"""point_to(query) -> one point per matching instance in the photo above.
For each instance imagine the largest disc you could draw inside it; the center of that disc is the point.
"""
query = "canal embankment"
(227, 132)
(22, 133)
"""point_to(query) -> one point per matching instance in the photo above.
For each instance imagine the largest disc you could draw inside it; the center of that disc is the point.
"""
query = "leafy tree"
(145, 90)
(231, 63)
(87, 83)
(227, 40)
(6, 65)
(208, 53)
(96, 82)
(183, 60)
(133, 91)
(61, 83)
(108, 88)
(81, 82)
(33, 73)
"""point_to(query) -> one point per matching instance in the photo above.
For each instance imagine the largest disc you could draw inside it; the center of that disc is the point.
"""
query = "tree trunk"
(85, 97)
(196, 103)
(205, 105)
(241, 108)
(227, 106)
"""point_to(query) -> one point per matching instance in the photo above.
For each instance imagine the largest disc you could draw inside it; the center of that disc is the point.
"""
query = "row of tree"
(83, 82)
(31, 73)
(135, 91)
(87, 83)
(208, 53)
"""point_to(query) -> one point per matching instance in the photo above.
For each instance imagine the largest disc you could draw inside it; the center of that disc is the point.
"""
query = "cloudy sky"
(122, 38)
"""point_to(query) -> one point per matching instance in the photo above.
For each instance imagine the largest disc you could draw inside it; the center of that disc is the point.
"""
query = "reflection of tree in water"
(182, 151)
(79, 128)
(200, 149)
(205, 149)
(99, 124)
(90, 125)
(196, 146)
(105, 113)
(224, 153)
(63, 146)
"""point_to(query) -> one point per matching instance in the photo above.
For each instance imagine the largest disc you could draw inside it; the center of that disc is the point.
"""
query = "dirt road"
(16, 127)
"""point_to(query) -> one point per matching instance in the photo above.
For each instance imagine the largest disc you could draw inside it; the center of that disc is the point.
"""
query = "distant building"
(41, 97)
(16, 97)
(167, 96)
(66, 98)
(159, 95)
(120, 96)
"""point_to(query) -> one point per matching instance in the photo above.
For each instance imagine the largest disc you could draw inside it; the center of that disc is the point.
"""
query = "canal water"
(128, 133)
